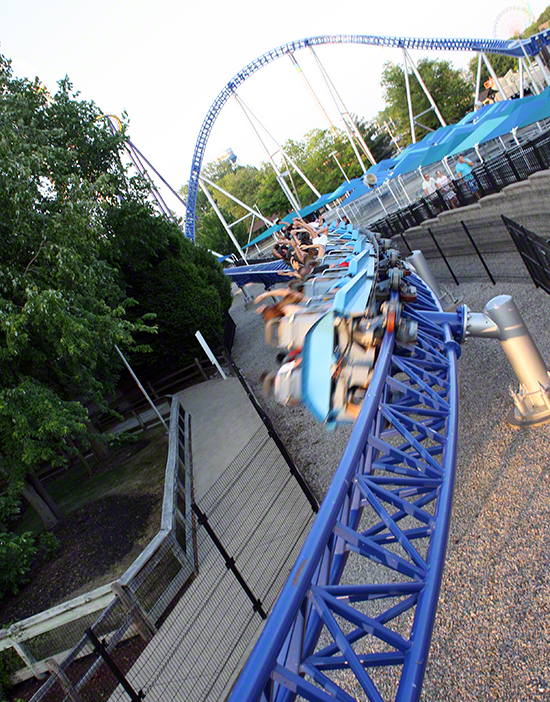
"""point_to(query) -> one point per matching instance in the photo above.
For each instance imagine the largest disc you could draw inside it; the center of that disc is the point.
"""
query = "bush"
(16, 554)
(48, 545)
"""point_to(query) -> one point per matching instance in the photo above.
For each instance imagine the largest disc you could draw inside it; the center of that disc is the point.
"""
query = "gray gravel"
(492, 635)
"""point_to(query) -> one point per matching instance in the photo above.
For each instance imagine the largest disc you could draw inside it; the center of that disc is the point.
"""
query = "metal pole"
(222, 219)
(478, 78)
(420, 265)
(102, 650)
(333, 154)
(400, 181)
(478, 252)
(312, 93)
(256, 213)
(285, 156)
(543, 68)
(443, 256)
(534, 81)
(409, 100)
(521, 89)
(393, 194)
(202, 342)
(284, 187)
(426, 91)
(140, 386)
(349, 124)
(493, 76)
(532, 403)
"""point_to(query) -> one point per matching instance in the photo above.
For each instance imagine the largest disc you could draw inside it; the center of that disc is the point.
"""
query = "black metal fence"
(512, 166)
(251, 524)
(534, 251)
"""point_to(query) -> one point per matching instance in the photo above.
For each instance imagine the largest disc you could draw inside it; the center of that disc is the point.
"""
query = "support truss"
(355, 618)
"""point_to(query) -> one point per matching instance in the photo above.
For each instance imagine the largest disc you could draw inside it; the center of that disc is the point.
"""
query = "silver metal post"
(209, 353)
(543, 68)
(534, 82)
(222, 219)
(422, 268)
(140, 386)
(494, 76)
(478, 78)
(420, 265)
(426, 91)
(409, 100)
(532, 402)
(521, 88)
(334, 155)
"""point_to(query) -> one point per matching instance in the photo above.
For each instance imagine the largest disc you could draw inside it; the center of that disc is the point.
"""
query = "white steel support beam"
(222, 219)
(239, 202)
(409, 99)
(350, 126)
(543, 69)
(493, 75)
(426, 91)
(521, 89)
(534, 82)
(249, 116)
(478, 78)
(312, 93)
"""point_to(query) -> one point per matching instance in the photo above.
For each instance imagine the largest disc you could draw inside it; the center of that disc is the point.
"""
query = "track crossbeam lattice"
(356, 614)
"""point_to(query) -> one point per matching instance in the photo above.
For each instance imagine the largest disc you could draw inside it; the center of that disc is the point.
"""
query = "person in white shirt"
(428, 184)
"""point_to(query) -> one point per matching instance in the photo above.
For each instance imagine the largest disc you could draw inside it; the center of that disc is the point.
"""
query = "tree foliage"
(85, 264)
(451, 91)
(181, 285)
(61, 309)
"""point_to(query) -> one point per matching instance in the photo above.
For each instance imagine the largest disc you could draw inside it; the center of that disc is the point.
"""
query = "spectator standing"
(464, 170)
(429, 186)
(444, 184)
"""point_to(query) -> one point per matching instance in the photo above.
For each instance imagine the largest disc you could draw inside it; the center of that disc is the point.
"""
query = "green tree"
(182, 286)
(61, 308)
(452, 92)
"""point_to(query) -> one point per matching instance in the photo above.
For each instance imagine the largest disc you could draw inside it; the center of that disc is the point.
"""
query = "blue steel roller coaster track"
(388, 508)
(509, 47)
(332, 635)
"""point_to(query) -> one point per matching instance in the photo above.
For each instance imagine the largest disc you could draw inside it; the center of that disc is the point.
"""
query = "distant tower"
(228, 156)
(512, 21)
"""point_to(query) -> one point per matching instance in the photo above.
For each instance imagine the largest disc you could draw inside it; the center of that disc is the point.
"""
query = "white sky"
(165, 61)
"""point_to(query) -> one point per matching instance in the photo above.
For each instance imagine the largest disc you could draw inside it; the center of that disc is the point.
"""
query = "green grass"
(138, 472)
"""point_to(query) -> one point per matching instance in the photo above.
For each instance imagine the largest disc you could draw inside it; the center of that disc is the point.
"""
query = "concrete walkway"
(223, 421)
(261, 516)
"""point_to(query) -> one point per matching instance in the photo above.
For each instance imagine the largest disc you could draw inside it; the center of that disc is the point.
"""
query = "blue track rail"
(513, 47)
(267, 274)
(361, 599)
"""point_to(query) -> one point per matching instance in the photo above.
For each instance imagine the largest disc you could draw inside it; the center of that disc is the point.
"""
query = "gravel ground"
(491, 640)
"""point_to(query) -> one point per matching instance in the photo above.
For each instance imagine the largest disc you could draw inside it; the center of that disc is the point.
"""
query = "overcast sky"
(164, 62)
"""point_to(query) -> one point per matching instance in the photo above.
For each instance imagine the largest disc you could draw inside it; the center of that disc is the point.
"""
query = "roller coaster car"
(290, 332)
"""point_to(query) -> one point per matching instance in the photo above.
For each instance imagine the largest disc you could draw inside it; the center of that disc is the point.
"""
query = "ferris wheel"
(512, 21)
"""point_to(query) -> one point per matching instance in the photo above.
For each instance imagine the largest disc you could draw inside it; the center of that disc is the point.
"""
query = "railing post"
(27, 659)
(64, 681)
(144, 624)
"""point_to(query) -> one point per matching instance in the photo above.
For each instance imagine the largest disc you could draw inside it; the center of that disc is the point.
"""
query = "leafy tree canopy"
(84, 261)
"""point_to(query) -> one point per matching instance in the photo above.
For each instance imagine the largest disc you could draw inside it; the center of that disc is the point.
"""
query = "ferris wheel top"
(512, 21)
